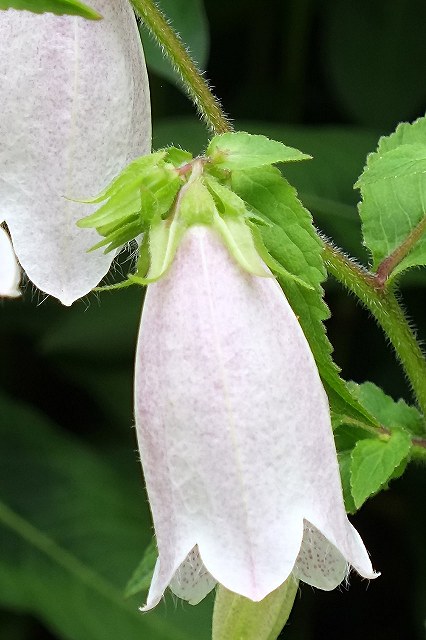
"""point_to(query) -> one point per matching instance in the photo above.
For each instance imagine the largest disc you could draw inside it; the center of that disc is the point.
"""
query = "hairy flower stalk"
(75, 111)
(234, 433)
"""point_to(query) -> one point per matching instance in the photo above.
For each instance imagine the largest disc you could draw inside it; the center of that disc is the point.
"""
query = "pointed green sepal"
(226, 200)
(127, 202)
(196, 204)
(163, 240)
(242, 150)
(134, 170)
(238, 238)
(160, 181)
(157, 202)
(119, 237)
(178, 157)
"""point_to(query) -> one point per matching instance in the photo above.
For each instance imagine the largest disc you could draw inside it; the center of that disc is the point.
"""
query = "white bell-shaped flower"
(234, 434)
(74, 111)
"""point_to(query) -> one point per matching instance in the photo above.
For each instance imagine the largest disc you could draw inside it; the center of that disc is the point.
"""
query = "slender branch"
(195, 84)
(385, 268)
(387, 312)
(418, 451)
(420, 442)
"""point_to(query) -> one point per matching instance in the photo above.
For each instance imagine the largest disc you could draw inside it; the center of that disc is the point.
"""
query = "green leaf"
(386, 454)
(71, 528)
(374, 461)
(242, 150)
(293, 243)
(347, 433)
(59, 7)
(273, 264)
(393, 207)
(142, 575)
(236, 617)
(391, 414)
(189, 19)
(345, 460)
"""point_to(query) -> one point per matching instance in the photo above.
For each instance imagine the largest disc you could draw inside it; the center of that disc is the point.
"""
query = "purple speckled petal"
(234, 430)
(192, 581)
(75, 110)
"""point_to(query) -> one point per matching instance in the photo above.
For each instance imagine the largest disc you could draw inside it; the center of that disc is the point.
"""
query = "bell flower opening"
(234, 433)
(75, 111)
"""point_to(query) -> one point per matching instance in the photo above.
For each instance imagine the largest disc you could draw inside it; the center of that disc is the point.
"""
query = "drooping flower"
(75, 111)
(235, 436)
(10, 273)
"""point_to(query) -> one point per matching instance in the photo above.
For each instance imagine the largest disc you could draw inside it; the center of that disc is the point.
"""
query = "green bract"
(161, 195)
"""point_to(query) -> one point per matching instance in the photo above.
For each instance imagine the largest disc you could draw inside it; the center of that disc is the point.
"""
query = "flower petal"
(75, 110)
(233, 426)
(192, 581)
(319, 563)
(10, 273)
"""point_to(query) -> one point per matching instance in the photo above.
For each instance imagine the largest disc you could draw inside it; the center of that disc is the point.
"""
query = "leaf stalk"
(385, 268)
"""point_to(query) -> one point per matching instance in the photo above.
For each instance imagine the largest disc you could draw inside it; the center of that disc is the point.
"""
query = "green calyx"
(158, 197)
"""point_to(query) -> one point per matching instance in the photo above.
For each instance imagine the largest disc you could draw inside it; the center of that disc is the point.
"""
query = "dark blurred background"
(330, 78)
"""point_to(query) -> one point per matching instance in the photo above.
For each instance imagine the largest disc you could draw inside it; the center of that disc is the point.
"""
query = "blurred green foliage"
(328, 78)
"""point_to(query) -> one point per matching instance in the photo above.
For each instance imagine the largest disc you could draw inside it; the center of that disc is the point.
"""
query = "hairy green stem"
(193, 80)
(418, 452)
(388, 313)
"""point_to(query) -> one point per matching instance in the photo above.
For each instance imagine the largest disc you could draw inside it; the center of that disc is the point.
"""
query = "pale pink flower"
(74, 111)
(235, 437)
